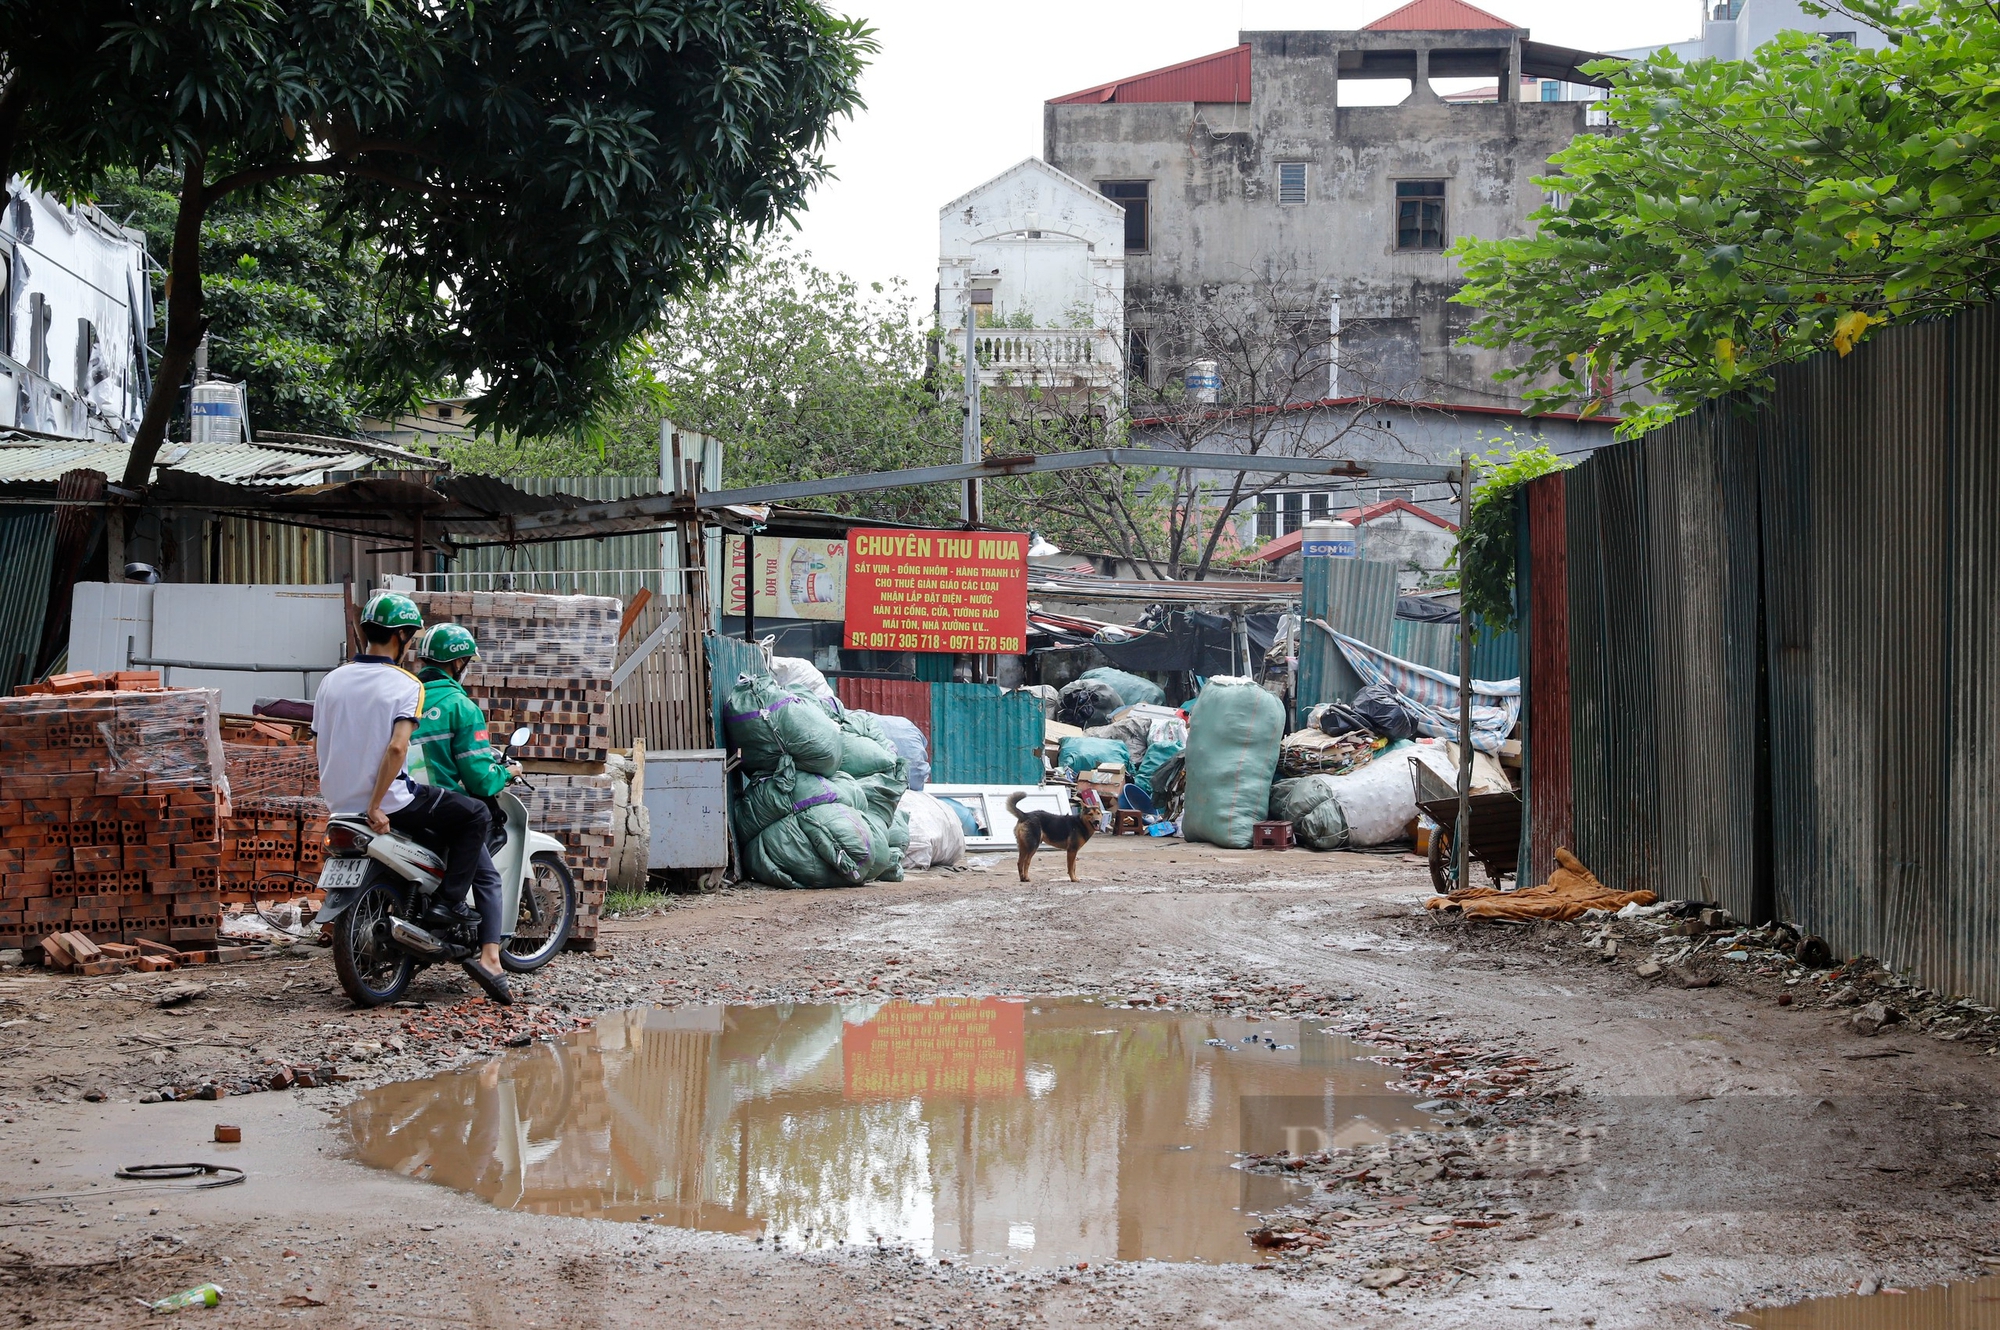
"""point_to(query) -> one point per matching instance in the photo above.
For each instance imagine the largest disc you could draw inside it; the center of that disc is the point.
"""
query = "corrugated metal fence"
(1358, 597)
(27, 554)
(908, 698)
(981, 735)
(1784, 661)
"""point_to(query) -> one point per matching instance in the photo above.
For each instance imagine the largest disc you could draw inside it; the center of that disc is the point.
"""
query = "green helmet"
(390, 609)
(445, 642)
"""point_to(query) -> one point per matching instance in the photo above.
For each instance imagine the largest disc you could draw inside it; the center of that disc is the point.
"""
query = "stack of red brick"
(91, 681)
(273, 844)
(111, 806)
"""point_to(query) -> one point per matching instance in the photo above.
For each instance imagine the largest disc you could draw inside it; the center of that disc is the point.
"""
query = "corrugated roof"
(1222, 77)
(283, 465)
(1438, 16)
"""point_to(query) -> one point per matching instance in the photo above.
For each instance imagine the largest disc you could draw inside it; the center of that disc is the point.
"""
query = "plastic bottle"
(205, 1295)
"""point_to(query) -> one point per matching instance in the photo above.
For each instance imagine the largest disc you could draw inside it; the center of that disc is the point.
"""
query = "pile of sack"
(1099, 695)
(823, 803)
(1371, 805)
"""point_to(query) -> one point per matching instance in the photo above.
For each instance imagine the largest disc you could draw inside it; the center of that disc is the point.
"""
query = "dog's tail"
(1014, 803)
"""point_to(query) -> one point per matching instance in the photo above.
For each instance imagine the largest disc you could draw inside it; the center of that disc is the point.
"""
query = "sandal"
(493, 981)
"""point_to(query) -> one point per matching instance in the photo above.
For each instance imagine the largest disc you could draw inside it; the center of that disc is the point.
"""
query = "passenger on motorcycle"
(452, 751)
(364, 715)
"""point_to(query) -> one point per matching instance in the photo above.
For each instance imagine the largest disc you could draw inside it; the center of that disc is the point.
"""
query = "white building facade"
(75, 308)
(1051, 252)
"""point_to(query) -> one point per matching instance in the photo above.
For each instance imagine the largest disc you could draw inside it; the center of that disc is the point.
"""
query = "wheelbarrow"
(1495, 841)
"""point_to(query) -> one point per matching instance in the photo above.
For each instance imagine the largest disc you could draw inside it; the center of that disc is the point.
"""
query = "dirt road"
(1711, 1149)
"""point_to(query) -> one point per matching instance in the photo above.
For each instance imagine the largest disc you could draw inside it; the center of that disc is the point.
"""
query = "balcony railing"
(1046, 356)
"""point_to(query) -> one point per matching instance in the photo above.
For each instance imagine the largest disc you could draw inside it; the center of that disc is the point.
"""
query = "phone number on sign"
(972, 642)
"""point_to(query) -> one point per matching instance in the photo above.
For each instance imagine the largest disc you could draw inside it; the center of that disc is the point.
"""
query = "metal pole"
(969, 506)
(1462, 837)
(669, 485)
(749, 586)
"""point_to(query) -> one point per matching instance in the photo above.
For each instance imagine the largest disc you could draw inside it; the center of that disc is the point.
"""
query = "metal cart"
(1496, 829)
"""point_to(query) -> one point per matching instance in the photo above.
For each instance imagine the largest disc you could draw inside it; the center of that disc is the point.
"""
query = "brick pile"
(92, 681)
(544, 662)
(274, 841)
(577, 810)
(111, 811)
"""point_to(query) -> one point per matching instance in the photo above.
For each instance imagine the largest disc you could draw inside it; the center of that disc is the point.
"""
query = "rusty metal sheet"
(1544, 595)
(908, 698)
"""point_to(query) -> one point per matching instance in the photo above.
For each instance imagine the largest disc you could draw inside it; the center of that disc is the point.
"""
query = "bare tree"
(1275, 363)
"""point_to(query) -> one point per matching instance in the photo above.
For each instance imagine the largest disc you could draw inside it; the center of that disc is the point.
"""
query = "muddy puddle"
(1039, 1132)
(1970, 1305)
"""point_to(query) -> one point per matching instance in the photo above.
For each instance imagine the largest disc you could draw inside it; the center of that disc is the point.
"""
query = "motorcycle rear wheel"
(548, 910)
(372, 968)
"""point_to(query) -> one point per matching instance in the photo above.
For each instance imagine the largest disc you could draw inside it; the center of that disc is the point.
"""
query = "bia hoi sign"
(958, 591)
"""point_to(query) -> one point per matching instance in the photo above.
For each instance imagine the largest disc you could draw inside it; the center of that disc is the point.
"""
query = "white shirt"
(355, 715)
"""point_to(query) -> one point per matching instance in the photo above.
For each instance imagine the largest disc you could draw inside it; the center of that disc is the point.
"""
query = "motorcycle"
(378, 884)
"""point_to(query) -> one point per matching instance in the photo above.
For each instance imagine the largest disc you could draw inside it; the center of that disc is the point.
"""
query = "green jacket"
(450, 748)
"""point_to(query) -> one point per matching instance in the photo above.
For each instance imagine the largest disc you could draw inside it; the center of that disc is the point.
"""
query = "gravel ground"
(1612, 1150)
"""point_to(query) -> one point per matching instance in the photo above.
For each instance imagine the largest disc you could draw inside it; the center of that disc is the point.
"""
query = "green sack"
(899, 845)
(825, 845)
(865, 748)
(1310, 805)
(768, 723)
(784, 792)
(1084, 752)
(881, 793)
(1157, 756)
(1131, 689)
(1234, 730)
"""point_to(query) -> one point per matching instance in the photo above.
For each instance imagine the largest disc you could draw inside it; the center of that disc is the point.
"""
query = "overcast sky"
(955, 95)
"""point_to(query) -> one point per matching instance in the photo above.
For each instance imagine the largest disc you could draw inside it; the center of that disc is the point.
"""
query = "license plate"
(342, 874)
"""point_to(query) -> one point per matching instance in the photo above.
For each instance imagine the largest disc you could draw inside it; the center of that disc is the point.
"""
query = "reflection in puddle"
(1043, 1132)
(1970, 1305)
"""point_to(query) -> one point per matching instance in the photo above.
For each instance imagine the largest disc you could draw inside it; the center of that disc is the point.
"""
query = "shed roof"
(283, 464)
(1222, 77)
(1289, 543)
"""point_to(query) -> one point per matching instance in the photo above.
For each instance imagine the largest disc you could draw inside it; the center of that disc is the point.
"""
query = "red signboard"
(937, 591)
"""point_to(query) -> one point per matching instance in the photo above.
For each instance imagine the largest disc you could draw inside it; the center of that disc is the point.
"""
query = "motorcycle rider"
(452, 751)
(364, 715)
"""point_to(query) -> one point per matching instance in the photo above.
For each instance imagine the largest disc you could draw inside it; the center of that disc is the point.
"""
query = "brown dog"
(1032, 828)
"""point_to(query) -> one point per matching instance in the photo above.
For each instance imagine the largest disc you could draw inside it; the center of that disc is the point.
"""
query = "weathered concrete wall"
(1216, 219)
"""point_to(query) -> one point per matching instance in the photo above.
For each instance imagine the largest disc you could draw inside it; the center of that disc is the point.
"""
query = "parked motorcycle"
(378, 884)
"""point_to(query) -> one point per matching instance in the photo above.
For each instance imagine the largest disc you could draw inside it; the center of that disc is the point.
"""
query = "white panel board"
(105, 618)
(265, 625)
(989, 808)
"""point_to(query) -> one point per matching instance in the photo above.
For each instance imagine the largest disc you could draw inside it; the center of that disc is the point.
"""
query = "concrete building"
(1048, 252)
(1243, 169)
(75, 308)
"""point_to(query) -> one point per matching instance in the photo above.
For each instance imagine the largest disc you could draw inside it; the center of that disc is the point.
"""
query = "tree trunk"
(13, 104)
(185, 325)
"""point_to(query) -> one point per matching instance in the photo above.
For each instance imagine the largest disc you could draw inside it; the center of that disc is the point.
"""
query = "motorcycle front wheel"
(372, 968)
(548, 909)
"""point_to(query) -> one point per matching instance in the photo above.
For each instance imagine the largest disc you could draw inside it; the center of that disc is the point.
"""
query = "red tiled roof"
(1222, 77)
(1374, 510)
(1289, 543)
(1437, 16)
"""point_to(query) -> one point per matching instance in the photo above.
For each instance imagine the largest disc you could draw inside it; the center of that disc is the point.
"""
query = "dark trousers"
(456, 825)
